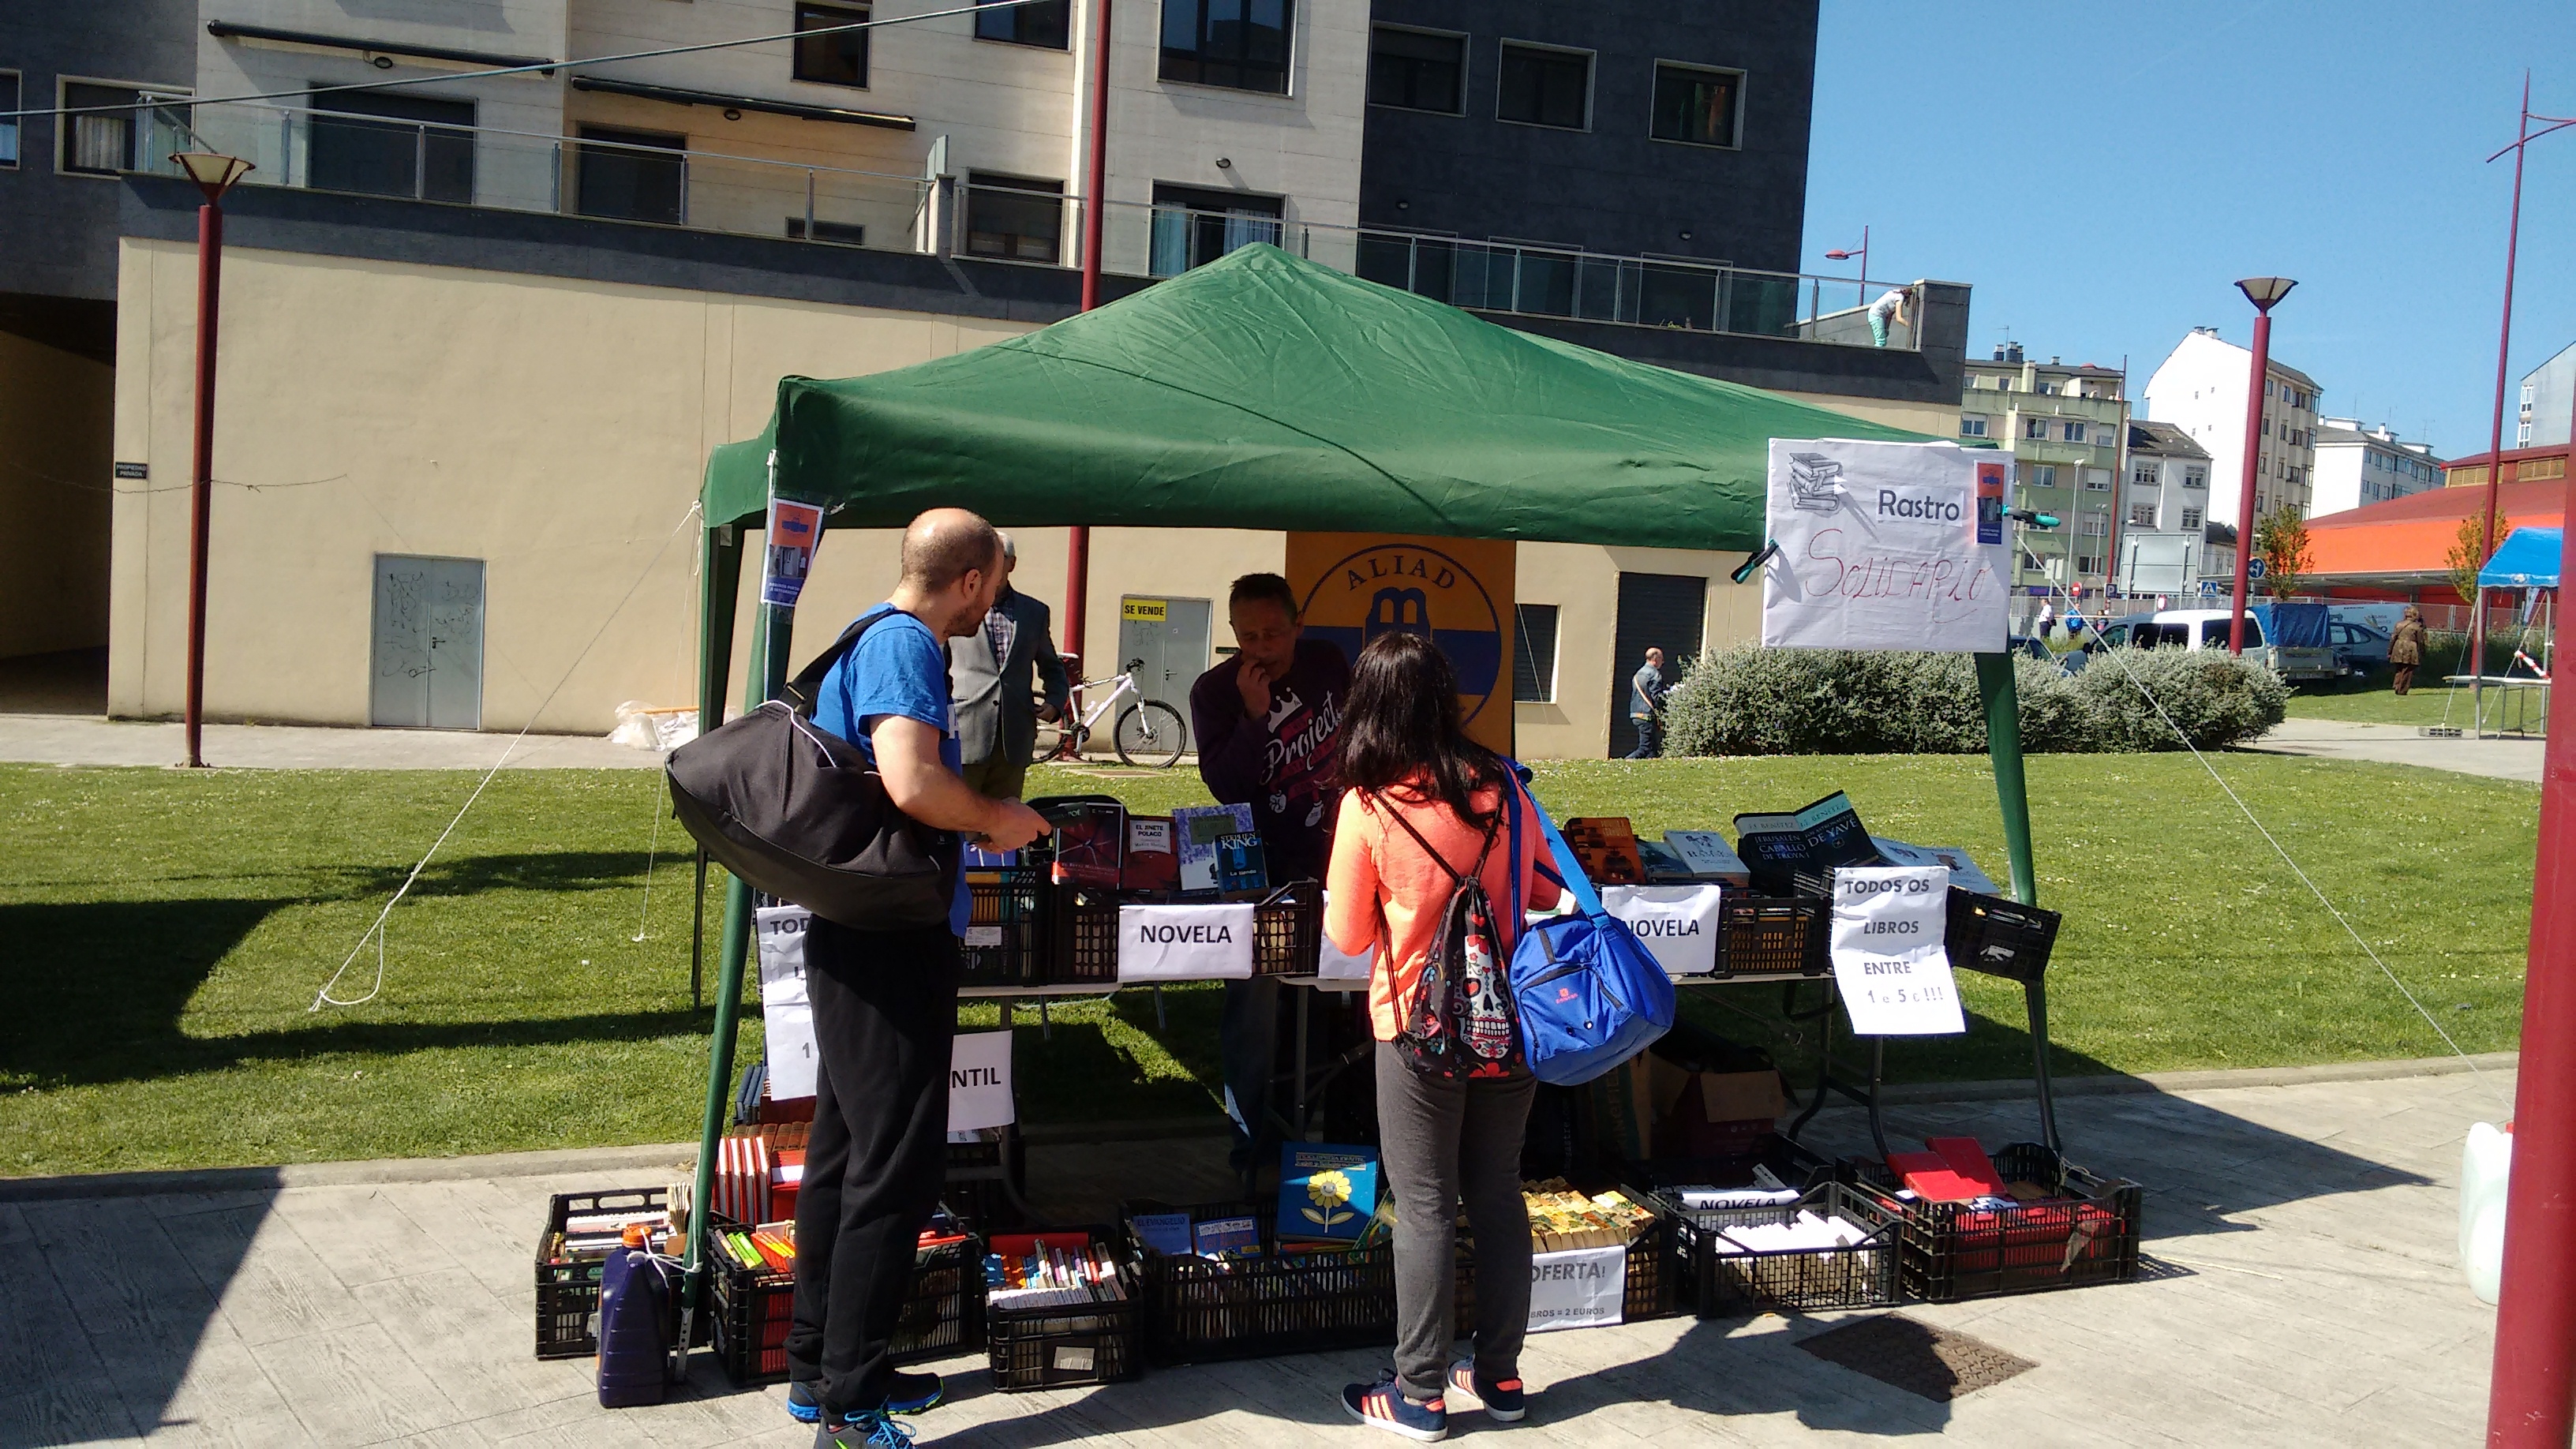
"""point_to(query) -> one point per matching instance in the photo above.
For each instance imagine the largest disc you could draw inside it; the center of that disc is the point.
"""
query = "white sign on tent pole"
(787, 1021)
(1886, 546)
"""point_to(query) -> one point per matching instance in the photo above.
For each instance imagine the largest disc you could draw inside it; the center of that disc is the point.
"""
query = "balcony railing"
(623, 180)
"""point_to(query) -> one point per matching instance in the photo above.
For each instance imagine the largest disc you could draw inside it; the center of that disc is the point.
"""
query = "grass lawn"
(2373, 702)
(162, 935)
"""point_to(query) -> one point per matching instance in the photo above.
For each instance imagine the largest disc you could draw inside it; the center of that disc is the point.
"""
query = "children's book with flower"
(1327, 1192)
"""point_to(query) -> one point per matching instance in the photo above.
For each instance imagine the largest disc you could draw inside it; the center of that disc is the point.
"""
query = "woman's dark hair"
(1401, 722)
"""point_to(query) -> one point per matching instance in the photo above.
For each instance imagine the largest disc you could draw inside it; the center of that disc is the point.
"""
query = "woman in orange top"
(1405, 761)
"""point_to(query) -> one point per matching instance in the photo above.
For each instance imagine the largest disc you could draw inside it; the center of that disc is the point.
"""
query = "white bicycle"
(1148, 732)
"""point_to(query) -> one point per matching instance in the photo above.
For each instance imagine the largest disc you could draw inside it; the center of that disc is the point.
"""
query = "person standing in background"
(1646, 706)
(1269, 723)
(2406, 648)
(2047, 618)
(993, 678)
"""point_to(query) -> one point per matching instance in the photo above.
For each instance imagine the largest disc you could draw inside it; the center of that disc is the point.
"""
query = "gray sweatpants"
(1442, 1142)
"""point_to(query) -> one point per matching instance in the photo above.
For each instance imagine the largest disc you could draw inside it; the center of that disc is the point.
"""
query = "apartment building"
(490, 325)
(2065, 425)
(2546, 409)
(2171, 519)
(2201, 388)
(2357, 464)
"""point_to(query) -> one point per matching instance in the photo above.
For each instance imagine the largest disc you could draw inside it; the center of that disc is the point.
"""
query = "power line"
(546, 65)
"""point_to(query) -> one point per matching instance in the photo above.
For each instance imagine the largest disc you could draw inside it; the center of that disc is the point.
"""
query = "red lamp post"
(214, 174)
(1844, 254)
(2263, 292)
(1077, 542)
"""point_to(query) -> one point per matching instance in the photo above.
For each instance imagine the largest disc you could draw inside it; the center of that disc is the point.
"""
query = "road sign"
(2253, 568)
(2212, 588)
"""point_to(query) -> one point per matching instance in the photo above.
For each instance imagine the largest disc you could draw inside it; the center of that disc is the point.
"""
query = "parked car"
(2208, 629)
(2359, 648)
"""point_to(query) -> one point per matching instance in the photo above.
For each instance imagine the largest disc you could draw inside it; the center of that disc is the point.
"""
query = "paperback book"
(1091, 844)
(1327, 1192)
(1196, 829)
(1242, 871)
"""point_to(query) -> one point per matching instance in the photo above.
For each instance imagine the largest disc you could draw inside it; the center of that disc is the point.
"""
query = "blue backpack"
(1588, 993)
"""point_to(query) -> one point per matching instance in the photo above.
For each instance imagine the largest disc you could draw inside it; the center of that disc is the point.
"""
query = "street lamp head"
(2265, 291)
(1840, 255)
(213, 171)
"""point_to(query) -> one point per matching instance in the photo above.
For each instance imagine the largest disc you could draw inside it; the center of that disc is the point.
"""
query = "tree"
(2281, 541)
(2466, 556)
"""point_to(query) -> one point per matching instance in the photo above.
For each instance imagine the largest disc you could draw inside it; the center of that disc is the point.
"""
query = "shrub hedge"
(1752, 701)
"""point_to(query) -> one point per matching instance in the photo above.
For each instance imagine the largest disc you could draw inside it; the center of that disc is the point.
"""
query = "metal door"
(427, 658)
(1171, 636)
(1658, 611)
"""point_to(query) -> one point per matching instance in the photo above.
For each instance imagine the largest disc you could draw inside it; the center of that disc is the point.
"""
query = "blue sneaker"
(872, 1430)
(908, 1394)
(1503, 1400)
(1382, 1405)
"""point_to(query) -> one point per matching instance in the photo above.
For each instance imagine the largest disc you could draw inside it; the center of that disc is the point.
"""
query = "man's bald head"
(944, 544)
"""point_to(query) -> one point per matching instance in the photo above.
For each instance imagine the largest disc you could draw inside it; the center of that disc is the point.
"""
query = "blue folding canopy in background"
(2527, 560)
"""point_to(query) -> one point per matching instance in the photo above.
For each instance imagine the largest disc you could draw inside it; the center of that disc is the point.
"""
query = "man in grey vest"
(990, 685)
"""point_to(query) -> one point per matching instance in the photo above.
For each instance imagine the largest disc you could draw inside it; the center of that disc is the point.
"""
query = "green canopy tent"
(1263, 392)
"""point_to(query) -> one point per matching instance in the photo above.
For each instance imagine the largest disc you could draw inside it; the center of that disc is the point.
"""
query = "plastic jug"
(2485, 1166)
(634, 1337)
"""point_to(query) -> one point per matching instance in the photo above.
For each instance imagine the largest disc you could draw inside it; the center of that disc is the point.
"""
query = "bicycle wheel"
(1151, 734)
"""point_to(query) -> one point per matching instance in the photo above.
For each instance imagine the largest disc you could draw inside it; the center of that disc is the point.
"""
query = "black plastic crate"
(1769, 937)
(2087, 1232)
(1085, 936)
(1199, 1311)
(1067, 1345)
(1647, 1291)
(1999, 937)
(1288, 930)
(752, 1309)
(1722, 1283)
(1006, 927)
(568, 1286)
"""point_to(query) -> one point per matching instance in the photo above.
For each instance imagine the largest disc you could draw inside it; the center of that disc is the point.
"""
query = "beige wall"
(555, 429)
(1941, 420)
(1582, 580)
(54, 410)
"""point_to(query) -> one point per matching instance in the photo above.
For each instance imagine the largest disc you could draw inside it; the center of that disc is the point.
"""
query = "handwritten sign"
(1677, 924)
(1880, 548)
(1184, 943)
(1580, 1288)
(787, 1020)
(1889, 962)
(979, 1081)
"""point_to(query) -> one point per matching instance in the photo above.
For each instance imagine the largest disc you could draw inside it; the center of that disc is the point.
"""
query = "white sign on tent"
(1886, 546)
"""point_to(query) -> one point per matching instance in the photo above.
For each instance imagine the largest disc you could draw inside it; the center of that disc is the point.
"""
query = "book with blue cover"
(1196, 830)
(1327, 1192)
(1227, 1237)
(1165, 1233)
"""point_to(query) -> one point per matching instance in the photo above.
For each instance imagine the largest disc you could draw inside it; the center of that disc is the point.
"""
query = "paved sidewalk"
(2304, 1290)
(77, 740)
(2502, 759)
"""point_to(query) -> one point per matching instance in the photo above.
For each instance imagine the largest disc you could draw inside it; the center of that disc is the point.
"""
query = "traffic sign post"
(2253, 568)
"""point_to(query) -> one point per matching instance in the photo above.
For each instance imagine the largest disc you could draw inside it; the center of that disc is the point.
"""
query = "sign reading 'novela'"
(1884, 546)
(1677, 924)
(1185, 943)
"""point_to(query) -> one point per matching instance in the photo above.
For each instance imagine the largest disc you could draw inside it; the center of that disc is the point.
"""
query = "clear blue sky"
(2100, 174)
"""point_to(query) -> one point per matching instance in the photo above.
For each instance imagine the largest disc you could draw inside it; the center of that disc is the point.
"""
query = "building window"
(2262, 502)
(1008, 216)
(2190, 519)
(2075, 432)
(2097, 480)
(832, 60)
(127, 138)
(2040, 475)
(1534, 654)
(2195, 478)
(1417, 71)
(2089, 563)
(387, 143)
(1240, 44)
(2034, 427)
(1541, 87)
(1193, 227)
(8, 124)
(1048, 23)
(847, 233)
(2142, 515)
(631, 175)
(1971, 426)
(2094, 525)
(1696, 106)
(2143, 475)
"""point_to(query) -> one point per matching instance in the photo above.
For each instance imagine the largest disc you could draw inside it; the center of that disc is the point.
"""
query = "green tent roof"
(1263, 391)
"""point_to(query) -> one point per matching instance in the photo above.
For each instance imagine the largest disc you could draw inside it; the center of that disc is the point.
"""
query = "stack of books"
(1606, 847)
(1795, 855)
(1562, 1219)
(1050, 1270)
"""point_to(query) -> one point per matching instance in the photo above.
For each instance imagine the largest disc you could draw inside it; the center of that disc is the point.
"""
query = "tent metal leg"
(698, 937)
(2012, 791)
(2035, 997)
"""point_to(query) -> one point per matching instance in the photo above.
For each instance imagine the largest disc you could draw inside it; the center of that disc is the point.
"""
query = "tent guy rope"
(323, 997)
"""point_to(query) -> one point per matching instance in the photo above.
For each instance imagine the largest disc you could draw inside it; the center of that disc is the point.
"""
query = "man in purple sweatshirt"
(1268, 721)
